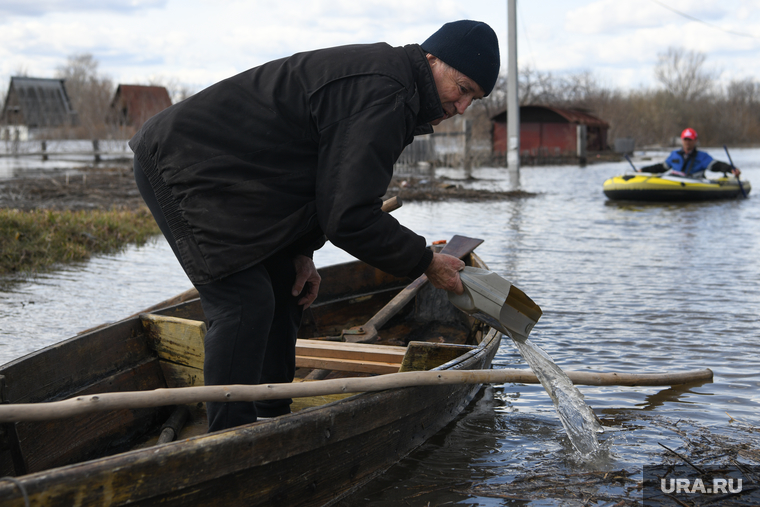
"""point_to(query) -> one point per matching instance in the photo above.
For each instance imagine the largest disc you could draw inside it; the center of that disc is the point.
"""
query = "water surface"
(623, 287)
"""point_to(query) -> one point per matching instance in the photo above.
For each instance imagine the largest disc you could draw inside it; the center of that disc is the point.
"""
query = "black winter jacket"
(265, 162)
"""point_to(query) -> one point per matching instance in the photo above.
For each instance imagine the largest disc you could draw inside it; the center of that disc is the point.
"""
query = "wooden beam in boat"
(176, 340)
(179, 344)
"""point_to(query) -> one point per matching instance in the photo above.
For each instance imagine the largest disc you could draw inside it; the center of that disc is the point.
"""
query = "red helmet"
(689, 134)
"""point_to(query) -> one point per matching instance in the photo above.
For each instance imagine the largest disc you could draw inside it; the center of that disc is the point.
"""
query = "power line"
(703, 22)
(521, 17)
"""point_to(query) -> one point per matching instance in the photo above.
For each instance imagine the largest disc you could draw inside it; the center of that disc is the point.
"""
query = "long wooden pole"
(186, 395)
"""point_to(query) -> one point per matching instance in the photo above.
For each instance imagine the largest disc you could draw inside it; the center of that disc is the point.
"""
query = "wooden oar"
(391, 204)
(459, 246)
(187, 395)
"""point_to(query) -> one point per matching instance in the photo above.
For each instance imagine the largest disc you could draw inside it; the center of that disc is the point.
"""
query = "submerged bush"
(32, 241)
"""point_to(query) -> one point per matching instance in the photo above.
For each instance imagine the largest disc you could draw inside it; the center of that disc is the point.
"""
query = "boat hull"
(311, 457)
(671, 188)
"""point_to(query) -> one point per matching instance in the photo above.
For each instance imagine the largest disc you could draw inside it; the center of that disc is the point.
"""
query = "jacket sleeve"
(362, 124)
(718, 166)
(655, 168)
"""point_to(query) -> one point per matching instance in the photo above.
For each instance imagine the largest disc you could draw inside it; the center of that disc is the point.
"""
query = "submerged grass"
(34, 241)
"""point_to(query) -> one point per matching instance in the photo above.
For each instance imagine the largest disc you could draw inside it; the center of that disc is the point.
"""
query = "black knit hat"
(471, 47)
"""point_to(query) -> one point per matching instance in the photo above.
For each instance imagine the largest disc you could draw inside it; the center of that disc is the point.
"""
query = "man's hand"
(443, 273)
(306, 275)
(736, 172)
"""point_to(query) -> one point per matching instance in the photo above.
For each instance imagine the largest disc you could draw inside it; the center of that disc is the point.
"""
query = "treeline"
(689, 95)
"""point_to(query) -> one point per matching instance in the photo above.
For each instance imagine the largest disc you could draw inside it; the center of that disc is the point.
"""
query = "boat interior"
(420, 332)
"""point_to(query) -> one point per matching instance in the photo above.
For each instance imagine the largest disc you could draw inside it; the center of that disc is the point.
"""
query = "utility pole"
(513, 103)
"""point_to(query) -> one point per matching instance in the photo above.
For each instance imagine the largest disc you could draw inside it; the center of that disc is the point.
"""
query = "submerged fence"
(76, 150)
(439, 149)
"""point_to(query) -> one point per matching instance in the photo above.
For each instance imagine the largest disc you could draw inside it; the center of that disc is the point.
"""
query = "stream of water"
(638, 288)
(580, 423)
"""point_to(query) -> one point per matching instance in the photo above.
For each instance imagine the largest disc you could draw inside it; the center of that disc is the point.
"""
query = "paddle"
(629, 161)
(187, 395)
(741, 187)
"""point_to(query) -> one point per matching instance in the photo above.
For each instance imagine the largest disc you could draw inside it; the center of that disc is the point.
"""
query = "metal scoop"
(495, 301)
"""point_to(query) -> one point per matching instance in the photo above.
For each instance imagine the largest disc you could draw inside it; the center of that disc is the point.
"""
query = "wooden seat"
(179, 344)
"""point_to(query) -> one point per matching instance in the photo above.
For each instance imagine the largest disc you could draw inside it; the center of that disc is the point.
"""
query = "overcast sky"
(199, 42)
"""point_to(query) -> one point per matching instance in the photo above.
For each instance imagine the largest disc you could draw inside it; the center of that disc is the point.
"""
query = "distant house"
(132, 105)
(35, 103)
(552, 134)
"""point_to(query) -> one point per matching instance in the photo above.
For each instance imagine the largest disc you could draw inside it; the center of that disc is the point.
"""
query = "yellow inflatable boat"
(669, 187)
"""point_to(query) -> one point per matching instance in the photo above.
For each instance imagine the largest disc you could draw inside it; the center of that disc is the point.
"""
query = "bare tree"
(90, 94)
(177, 91)
(682, 73)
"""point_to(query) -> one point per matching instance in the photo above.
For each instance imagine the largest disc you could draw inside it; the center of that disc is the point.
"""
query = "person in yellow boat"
(689, 161)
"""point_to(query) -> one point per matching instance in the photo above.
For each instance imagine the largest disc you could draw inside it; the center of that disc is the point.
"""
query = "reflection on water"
(624, 287)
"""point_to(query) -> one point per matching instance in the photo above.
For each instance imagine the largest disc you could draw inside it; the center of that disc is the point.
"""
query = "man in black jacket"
(247, 178)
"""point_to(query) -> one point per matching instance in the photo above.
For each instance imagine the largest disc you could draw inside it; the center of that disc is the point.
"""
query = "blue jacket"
(694, 165)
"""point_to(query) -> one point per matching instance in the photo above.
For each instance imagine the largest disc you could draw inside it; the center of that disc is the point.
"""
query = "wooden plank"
(180, 341)
(352, 365)
(357, 351)
(353, 278)
(353, 357)
(315, 401)
(66, 367)
(61, 442)
(179, 375)
(175, 339)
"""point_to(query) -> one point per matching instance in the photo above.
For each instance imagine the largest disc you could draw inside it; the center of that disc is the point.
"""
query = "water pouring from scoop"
(495, 301)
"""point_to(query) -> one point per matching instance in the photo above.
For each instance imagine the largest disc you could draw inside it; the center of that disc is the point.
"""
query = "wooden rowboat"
(328, 447)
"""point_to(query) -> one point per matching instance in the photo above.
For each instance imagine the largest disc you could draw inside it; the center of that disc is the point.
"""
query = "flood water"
(637, 288)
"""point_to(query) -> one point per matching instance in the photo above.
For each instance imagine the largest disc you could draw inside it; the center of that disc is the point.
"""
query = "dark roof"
(552, 114)
(133, 104)
(37, 102)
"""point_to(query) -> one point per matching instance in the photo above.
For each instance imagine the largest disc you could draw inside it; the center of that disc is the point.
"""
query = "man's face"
(688, 144)
(455, 90)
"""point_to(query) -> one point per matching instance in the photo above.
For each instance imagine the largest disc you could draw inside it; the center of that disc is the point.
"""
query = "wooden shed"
(552, 134)
(132, 105)
(38, 103)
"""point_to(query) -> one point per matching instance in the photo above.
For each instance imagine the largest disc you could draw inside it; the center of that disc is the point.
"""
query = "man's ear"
(431, 59)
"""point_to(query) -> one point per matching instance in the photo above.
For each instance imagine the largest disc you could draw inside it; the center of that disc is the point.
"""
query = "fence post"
(15, 143)
(582, 139)
(96, 149)
(43, 145)
(467, 129)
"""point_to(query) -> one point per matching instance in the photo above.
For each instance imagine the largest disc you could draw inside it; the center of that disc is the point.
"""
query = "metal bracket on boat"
(354, 330)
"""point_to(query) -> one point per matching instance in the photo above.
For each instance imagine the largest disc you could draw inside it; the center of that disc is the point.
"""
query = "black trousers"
(253, 321)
